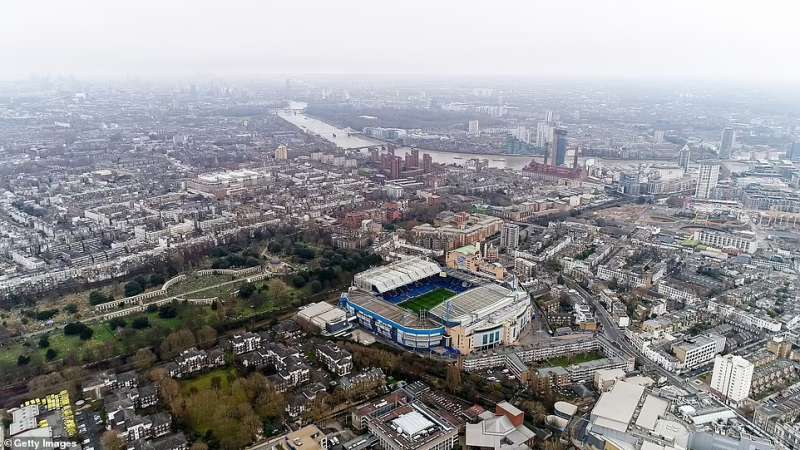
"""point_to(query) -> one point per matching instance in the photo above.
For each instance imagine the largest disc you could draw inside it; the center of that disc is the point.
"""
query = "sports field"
(427, 301)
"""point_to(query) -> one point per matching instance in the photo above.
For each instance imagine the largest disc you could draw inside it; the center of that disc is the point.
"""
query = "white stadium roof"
(479, 302)
(397, 274)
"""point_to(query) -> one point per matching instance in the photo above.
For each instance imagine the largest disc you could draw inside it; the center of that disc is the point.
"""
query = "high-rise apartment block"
(732, 377)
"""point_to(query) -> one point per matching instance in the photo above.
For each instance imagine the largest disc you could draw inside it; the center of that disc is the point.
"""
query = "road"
(614, 334)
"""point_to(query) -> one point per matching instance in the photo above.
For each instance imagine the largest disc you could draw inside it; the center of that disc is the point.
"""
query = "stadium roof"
(389, 311)
(400, 273)
(478, 301)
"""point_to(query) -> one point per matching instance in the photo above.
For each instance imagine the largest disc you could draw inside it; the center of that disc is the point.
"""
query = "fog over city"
(718, 40)
(400, 225)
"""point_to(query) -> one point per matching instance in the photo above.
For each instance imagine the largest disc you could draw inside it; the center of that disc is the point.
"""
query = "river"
(294, 115)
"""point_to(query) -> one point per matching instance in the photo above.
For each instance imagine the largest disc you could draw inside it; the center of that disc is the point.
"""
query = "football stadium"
(416, 304)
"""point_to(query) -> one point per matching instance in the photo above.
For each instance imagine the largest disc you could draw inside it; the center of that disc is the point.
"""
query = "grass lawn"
(193, 283)
(203, 382)
(63, 344)
(427, 301)
(568, 360)
(172, 323)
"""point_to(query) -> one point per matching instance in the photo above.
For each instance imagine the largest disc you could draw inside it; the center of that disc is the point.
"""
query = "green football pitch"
(427, 301)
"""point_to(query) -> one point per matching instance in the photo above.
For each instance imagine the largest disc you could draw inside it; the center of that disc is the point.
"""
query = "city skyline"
(522, 226)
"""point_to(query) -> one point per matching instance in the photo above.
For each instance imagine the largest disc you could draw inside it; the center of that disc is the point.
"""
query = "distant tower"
(683, 158)
(794, 152)
(394, 171)
(412, 159)
(707, 179)
(509, 236)
(575, 157)
(427, 163)
(727, 142)
(549, 117)
(281, 153)
(558, 147)
(543, 134)
(474, 128)
(659, 137)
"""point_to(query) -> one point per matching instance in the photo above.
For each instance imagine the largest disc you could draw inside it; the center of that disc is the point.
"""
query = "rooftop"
(388, 310)
(615, 408)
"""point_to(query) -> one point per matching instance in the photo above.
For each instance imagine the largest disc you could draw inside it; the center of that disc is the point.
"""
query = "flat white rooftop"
(652, 409)
(615, 408)
(412, 423)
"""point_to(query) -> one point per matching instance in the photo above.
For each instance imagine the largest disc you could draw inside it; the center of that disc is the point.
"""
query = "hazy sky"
(697, 39)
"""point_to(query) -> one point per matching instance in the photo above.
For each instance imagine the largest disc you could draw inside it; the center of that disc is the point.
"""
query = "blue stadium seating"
(422, 287)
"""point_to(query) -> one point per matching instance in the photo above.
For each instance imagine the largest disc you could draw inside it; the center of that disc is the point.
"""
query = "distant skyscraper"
(427, 163)
(509, 236)
(727, 142)
(282, 153)
(707, 179)
(732, 377)
(412, 159)
(549, 117)
(659, 137)
(474, 129)
(558, 147)
(794, 152)
(394, 171)
(543, 133)
(629, 183)
(683, 158)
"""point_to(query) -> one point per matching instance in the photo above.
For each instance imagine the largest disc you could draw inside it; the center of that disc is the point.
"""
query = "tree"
(23, 360)
(44, 341)
(298, 281)
(246, 290)
(157, 374)
(270, 404)
(75, 329)
(156, 279)
(117, 322)
(274, 247)
(177, 342)
(133, 288)
(206, 336)
(50, 354)
(140, 323)
(71, 308)
(257, 299)
(315, 286)
(169, 389)
(167, 312)
(278, 290)
(111, 441)
(86, 334)
(97, 297)
(144, 359)
(453, 381)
